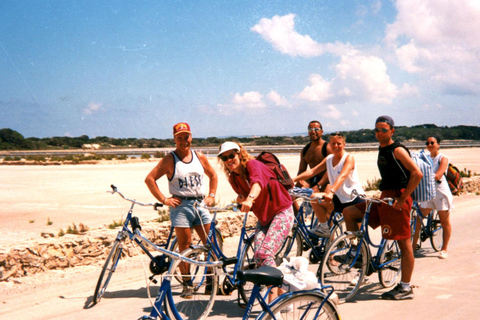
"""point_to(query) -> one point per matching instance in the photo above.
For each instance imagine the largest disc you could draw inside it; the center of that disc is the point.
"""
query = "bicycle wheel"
(292, 247)
(436, 232)
(303, 305)
(108, 270)
(342, 268)
(200, 303)
(391, 272)
(174, 247)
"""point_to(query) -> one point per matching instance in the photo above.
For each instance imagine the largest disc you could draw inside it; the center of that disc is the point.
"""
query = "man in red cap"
(185, 170)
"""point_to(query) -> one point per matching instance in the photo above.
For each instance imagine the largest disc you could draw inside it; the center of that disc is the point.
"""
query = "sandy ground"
(30, 196)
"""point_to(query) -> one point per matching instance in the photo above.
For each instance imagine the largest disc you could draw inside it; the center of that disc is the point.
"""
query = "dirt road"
(446, 289)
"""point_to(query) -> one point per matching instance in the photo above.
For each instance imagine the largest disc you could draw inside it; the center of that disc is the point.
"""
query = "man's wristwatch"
(251, 196)
(212, 195)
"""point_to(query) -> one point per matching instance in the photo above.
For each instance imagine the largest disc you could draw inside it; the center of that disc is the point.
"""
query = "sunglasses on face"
(431, 143)
(383, 130)
(314, 129)
(230, 156)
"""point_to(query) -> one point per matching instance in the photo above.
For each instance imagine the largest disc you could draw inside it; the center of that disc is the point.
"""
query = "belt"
(199, 198)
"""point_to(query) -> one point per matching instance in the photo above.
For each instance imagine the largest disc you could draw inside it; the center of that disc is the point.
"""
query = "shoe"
(354, 281)
(443, 255)
(187, 292)
(321, 231)
(398, 293)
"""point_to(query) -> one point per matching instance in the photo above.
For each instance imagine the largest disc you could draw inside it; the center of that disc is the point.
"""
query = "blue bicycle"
(305, 305)
(301, 239)
(432, 229)
(350, 259)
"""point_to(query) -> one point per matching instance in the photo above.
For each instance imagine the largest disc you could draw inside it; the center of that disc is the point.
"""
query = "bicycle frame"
(126, 232)
(375, 261)
(212, 245)
(311, 240)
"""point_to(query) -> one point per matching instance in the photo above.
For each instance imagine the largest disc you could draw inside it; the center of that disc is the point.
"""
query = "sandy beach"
(33, 195)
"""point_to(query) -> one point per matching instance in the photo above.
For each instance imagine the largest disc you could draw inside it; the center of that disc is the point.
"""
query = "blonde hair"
(244, 158)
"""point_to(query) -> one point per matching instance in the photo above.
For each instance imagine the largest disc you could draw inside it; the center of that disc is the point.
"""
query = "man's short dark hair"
(315, 121)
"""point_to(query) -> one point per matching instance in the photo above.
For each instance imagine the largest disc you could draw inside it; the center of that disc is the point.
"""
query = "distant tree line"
(13, 140)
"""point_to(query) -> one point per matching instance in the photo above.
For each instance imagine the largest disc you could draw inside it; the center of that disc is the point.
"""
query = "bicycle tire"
(107, 271)
(174, 248)
(200, 304)
(337, 268)
(292, 247)
(390, 274)
(303, 305)
(413, 226)
(436, 232)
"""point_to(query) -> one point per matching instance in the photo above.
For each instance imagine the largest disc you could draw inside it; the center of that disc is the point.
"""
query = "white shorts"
(440, 203)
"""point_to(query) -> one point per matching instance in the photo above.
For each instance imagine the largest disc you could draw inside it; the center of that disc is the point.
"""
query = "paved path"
(446, 289)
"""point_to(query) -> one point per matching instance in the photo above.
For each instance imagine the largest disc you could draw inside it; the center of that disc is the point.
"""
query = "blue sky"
(134, 68)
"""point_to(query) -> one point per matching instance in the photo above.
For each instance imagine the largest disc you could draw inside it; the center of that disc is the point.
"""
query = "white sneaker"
(321, 231)
(354, 281)
(443, 255)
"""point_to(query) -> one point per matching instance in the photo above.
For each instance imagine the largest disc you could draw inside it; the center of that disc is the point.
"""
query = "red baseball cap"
(181, 127)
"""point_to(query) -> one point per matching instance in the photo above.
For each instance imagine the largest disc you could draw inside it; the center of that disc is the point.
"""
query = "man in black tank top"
(400, 176)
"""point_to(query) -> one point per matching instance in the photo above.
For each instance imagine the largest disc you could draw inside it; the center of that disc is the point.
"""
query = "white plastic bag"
(296, 275)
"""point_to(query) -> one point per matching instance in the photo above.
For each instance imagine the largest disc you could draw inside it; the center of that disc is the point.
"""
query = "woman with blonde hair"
(258, 190)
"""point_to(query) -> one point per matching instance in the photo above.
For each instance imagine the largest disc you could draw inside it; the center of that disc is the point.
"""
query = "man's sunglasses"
(382, 130)
(430, 143)
(314, 129)
(230, 156)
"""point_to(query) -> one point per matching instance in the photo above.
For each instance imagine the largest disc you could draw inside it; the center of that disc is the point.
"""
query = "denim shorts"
(186, 215)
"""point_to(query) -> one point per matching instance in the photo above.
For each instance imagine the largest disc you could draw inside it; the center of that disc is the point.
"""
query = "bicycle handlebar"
(232, 206)
(155, 205)
(304, 193)
(388, 201)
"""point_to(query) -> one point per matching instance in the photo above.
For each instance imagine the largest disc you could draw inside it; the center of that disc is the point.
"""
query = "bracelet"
(212, 195)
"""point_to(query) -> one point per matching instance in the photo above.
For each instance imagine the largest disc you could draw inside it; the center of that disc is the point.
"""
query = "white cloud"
(251, 100)
(280, 32)
(277, 99)
(332, 113)
(440, 40)
(365, 77)
(319, 90)
(92, 108)
(358, 77)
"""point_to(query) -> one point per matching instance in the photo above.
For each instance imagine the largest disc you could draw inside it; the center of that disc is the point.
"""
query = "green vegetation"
(164, 216)
(13, 140)
(73, 229)
(373, 184)
(115, 224)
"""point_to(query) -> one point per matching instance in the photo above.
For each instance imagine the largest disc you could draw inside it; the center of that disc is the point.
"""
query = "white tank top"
(187, 179)
(351, 182)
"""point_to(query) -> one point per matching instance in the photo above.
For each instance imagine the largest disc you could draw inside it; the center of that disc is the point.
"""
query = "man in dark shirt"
(400, 176)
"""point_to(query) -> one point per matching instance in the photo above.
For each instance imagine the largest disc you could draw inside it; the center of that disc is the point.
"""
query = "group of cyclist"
(325, 167)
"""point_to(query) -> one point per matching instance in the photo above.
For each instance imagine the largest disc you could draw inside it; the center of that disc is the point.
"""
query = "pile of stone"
(90, 247)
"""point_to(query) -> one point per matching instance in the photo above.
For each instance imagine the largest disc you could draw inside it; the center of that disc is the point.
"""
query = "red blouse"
(273, 197)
